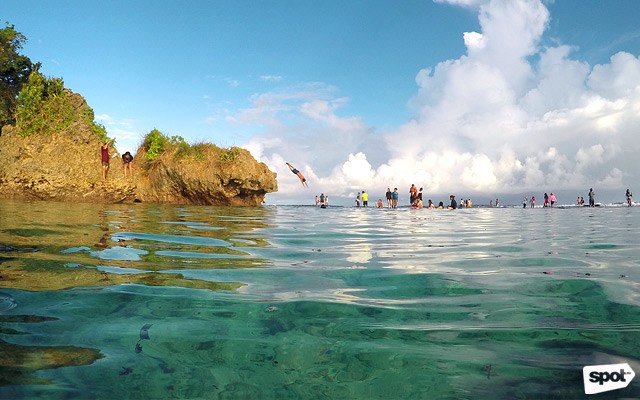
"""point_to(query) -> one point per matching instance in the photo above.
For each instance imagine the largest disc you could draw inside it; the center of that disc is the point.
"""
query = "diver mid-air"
(303, 180)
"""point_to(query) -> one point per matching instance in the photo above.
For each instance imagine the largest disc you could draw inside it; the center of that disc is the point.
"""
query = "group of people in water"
(550, 200)
(415, 198)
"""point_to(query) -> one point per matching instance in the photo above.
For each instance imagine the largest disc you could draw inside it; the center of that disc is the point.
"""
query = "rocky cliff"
(211, 176)
(66, 166)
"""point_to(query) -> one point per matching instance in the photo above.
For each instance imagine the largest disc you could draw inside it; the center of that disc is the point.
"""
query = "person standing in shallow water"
(629, 196)
(365, 199)
(592, 198)
(104, 152)
(413, 193)
(454, 203)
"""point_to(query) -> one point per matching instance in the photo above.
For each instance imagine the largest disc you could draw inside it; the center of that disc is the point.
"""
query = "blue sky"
(467, 96)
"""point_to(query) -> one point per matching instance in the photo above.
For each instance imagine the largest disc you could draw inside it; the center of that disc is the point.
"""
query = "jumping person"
(303, 180)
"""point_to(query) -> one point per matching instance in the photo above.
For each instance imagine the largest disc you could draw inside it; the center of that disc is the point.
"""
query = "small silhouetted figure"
(303, 180)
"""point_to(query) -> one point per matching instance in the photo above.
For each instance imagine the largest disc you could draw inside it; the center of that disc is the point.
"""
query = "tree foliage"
(89, 117)
(31, 101)
(43, 106)
(15, 70)
(156, 143)
(229, 154)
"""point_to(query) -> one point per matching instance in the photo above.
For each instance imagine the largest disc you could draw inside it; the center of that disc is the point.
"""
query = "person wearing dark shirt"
(127, 163)
(454, 203)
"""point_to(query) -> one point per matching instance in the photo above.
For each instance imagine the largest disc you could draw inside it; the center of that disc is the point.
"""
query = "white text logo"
(602, 378)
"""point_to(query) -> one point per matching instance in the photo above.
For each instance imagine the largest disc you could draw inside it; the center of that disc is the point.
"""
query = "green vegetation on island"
(50, 150)
(34, 103)
(156, 143)
(44, 106)
(15, 70)
(37, 104)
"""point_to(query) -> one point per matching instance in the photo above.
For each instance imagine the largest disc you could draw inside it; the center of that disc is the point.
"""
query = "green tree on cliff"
(43, 106)
(15, 70)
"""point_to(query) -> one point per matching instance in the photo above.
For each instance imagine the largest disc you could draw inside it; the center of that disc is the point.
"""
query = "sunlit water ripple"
(302, 302)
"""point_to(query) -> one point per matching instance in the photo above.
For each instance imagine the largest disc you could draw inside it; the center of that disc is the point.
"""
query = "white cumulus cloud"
(508, 115)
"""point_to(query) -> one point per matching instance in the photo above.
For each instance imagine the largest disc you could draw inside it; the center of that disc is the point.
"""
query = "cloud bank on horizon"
(509, 115)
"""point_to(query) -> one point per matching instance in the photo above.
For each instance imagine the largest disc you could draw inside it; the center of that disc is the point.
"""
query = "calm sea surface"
(156, 302)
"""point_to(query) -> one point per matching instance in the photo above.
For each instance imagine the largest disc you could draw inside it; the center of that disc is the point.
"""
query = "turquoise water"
(154, 302)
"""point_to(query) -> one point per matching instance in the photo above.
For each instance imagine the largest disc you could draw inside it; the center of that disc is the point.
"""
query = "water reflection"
(301, 302)
(148, 238)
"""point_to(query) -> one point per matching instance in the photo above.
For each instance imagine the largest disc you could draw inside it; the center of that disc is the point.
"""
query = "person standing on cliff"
(127, 163)
(104, 150)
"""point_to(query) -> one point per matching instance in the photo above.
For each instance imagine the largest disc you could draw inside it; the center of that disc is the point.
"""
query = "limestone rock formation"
(66, 166)
(215, 176)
